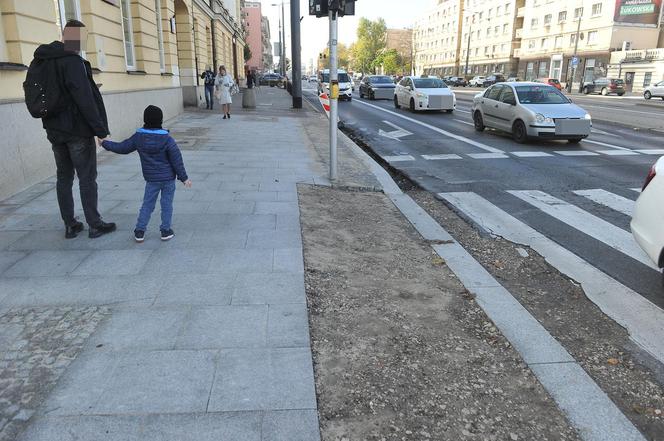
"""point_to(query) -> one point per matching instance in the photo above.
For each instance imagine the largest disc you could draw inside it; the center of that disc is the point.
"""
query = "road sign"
(575, 61)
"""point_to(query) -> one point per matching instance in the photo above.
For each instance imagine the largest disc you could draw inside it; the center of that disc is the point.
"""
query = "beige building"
(597, 28)
(491, 36)
(639, 68)
(436, 42)
(141, 51)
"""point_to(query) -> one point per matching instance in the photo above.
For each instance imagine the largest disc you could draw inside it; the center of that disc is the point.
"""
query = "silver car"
(530, 110)
(654, 90)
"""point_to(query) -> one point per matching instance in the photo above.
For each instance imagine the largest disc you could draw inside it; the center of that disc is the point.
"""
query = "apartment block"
(553, 31)
(253, 21)
(436, 39)
(141, 51)
(266, 44)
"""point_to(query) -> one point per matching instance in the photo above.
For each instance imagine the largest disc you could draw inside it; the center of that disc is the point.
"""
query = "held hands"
(187, 183)
(100, 140)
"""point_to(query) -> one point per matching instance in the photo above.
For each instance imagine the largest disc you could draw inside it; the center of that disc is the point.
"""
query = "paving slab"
(47, 263)
(113, 263)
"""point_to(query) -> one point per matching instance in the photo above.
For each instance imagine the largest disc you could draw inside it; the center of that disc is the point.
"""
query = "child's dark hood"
(153, 141)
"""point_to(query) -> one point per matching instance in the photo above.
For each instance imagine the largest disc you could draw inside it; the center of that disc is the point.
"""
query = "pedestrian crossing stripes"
(608, 199)
(643, 319)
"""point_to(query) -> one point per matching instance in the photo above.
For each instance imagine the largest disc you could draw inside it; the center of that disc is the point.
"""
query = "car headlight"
(421, 95)
(543, 119)
(587, 116)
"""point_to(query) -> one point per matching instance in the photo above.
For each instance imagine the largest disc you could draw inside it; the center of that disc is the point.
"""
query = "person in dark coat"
(72, 131)
(208, 78)
(161, 162)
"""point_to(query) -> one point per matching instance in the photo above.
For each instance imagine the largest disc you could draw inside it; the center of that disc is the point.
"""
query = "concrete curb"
(586, 405)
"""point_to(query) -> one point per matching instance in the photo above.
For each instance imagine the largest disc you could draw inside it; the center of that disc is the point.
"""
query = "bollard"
(249, 99)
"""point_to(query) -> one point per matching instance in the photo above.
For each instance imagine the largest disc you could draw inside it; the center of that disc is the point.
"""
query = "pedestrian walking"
(251, 79)
(60, 89)
(223, 83)
(161, 162)
(208, 78)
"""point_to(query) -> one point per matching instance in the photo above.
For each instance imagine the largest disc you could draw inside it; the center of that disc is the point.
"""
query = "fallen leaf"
(613, 361)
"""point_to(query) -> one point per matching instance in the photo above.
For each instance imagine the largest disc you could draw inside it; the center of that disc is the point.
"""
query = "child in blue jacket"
(161, 162)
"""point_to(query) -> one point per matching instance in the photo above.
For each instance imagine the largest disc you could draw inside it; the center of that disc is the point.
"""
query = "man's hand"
(100, 140)
(187, 183)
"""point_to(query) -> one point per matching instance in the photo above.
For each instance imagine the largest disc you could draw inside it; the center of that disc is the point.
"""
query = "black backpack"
(42, 89)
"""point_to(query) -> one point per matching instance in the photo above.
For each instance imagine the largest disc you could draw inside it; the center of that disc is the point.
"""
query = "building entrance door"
(629, 81)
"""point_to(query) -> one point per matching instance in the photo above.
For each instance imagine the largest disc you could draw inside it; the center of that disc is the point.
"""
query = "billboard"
(645, 12)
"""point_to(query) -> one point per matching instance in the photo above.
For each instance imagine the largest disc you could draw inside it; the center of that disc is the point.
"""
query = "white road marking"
(618, 152)
(488, 155)
(436, 129)
(436, 157)
(587, 223)
(617, 110)
(527, 154)
(395, 134)
(462, 111)
(398, 158)
(638, 190)
(604, 144)
(602, 132)
(643, 320)
(608, 199)
(468, 123)
(576, 153)
(651, 151)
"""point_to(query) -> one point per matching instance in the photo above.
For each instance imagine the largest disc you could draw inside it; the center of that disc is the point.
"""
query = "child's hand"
(187, 183)
(100, 140)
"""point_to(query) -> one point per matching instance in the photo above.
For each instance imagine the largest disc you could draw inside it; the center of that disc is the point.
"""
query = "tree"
(247, 53)
(391, 62)
(371, 40)
(344, 57)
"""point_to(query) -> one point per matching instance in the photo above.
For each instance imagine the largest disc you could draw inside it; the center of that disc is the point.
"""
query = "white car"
(424, 93)
(654, 90)
(648, 219)
(345, 85)
(477, 81)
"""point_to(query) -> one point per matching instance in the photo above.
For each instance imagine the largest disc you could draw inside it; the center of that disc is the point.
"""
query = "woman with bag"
(224, 83)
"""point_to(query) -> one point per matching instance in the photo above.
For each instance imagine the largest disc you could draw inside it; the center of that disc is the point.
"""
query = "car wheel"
(519, 133)
(449, 110)
(478, 122)
(361, 94)
(350, 98)
(396, 102)
(372, 96)
(586, 91)
(620, 94)
(605, 91)
(412, 105)
(647, 95)
(574, 140)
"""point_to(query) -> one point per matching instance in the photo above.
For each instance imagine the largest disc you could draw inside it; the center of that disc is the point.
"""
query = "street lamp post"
(576, 47)
(282, 39)
(470, 31)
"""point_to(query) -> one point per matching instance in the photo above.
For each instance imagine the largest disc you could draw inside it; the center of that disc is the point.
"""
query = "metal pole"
(576, 47)
(283, 49)
(296, 54)
(280, 45)
(470, 30)
(334, 92)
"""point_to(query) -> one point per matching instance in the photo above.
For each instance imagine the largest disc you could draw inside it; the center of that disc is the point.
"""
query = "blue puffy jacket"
(161, 159)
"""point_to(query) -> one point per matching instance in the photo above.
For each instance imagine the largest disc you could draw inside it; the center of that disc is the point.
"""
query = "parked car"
(476, 81)
(345, 87)
(457, 81)
(377, 87)
(272, 80)
(648, 216)
(551, 82)
(513, 79)
(424, 93)
(654, 90)
(493, 79)
(529, 109)
(605, 86)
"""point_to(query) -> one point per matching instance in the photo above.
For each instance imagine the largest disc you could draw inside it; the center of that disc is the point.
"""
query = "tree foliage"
(391, 62)
(247, 53)
(371, 41)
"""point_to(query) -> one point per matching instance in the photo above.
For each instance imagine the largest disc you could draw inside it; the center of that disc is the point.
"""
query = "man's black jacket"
(85, 115)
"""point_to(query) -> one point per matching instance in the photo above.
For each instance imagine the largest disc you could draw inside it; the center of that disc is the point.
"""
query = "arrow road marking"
(395, 134)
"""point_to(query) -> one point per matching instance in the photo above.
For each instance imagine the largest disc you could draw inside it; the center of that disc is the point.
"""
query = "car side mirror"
(512, 102)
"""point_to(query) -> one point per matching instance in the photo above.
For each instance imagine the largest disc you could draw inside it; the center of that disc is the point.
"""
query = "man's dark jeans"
(209, 95)
(74, 154)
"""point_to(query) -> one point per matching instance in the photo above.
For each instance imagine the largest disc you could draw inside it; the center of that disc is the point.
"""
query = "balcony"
(517, 52)
(521, 12)
(518, 33)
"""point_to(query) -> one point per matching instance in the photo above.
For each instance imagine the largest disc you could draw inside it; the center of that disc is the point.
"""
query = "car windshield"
(540, 95)
(429, 83)
(343, 77)
(380, 80)
(618, 82)
(554, 81)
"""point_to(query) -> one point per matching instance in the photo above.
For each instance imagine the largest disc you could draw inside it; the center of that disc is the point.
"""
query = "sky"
(315, 31)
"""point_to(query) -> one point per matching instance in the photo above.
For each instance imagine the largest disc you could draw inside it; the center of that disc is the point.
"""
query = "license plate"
(579, 127)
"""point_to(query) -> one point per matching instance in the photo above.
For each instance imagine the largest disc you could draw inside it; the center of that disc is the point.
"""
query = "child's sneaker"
(167, 234)
(139, 236)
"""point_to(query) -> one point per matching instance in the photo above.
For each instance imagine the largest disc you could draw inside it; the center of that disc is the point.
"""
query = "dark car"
(457, 81)
(493, 79)
(272, 80)
(605, 86)
(377, 87)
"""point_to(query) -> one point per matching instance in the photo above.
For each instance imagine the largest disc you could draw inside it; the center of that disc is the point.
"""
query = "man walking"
(208, 77)
(71, 130)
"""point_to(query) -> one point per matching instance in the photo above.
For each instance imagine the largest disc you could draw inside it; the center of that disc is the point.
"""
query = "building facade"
(141, 51)
(554, 31)
(252, 13)
(266, 44)
(639, 68)
(436, 39)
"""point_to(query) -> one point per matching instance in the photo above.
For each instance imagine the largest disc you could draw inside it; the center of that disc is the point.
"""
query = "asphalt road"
(579, 196)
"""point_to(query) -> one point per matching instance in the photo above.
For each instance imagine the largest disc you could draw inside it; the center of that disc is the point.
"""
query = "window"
(531, 44)
(544, 43)
(498, 11)
(125, 9)
(647, 78)
(505, 28)
(508, 95)
(562, 16)
(507, 8)
(558, 42)
(488, 31)
(503, 47)
(68, 10)
(572, 39)
(597, 9)
(547, 19)
(543, 69)
(530, 71)
(578, 13)
(488, 15)
(496, 30)
(160, 36)
(592, 37)
(533, 23)
(556, 68)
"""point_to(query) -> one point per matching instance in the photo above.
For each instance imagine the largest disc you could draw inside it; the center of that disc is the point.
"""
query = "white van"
(345, 86)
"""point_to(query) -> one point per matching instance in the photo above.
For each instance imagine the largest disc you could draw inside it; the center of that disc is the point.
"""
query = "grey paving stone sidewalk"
(205, 337)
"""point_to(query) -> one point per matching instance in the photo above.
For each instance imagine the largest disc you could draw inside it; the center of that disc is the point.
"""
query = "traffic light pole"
(334, 94)
(296, 61)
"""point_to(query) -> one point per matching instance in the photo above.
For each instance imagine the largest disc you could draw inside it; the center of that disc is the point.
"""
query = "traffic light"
(321, 8)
